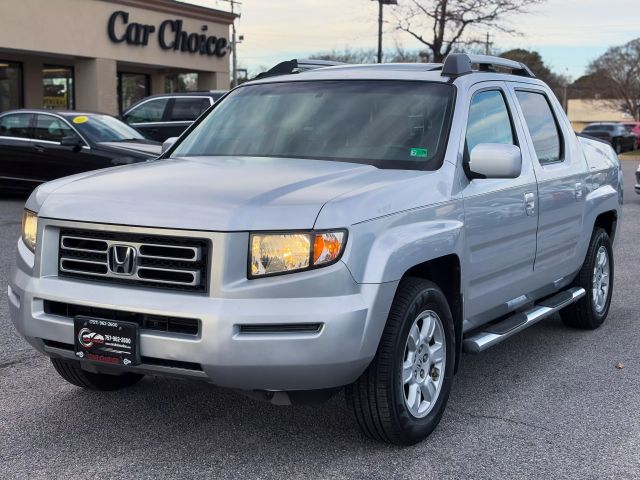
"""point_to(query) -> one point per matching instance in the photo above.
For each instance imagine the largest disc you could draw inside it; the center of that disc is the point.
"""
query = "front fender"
(384, 249)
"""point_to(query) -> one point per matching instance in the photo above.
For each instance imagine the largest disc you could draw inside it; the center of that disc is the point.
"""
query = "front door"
(51, 159)
(148, 118)
(501, 215)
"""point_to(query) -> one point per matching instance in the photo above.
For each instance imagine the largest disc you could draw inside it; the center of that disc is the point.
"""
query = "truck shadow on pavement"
(170, 414)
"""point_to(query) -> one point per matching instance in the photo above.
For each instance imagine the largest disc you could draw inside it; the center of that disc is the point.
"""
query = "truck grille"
(147, 260)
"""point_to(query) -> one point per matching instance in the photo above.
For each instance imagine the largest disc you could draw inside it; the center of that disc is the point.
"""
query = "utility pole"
(487, 45)
(380, 21)
(234, 44)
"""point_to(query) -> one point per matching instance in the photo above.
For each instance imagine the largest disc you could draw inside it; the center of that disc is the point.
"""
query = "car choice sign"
(170, 34)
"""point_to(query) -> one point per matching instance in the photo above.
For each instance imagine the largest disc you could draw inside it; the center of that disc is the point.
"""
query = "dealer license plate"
(106, 341)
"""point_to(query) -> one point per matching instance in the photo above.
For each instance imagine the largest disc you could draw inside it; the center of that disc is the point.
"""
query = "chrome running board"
(495, 333)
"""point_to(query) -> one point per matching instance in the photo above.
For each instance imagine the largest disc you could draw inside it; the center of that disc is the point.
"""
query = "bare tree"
(534, 61)
(443, 25)
(358, 56)
(619, 67)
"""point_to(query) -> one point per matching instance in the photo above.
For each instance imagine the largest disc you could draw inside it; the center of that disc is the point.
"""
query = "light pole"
(380, 5)
(234, 43)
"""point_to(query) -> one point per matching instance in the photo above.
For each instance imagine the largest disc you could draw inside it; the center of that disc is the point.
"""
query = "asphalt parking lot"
(548, 403)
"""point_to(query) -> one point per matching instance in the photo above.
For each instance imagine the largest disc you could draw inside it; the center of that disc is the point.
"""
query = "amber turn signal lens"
(327, 247)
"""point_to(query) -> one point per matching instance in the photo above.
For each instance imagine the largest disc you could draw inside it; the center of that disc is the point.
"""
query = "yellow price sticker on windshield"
(81, 119)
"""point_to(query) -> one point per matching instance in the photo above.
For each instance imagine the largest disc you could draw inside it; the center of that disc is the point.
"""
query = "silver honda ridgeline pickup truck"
(348, 226)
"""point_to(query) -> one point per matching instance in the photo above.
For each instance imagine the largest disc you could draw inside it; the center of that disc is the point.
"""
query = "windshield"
(104, 128)
(389, 124)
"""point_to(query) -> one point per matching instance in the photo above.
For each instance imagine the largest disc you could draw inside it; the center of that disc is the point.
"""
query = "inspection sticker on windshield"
(418, 152)
(80, 119)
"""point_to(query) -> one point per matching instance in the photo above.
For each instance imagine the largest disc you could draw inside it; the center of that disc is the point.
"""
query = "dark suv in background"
(161, 116)
(616, 134)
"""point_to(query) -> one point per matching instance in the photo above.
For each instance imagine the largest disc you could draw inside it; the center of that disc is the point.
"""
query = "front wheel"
(71, 371)
(617, 146)
(596, 277)
(402, 395)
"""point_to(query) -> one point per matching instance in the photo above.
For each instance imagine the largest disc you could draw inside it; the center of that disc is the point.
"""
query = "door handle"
(530, 203)
(579, 192)
(38, 148)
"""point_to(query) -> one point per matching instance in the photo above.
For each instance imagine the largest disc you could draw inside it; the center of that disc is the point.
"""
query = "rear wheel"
(70, 370)
(596, 277)
(401, 397)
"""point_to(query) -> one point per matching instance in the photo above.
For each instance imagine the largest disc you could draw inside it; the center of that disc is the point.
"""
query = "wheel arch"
(445, 272)
(608, 221)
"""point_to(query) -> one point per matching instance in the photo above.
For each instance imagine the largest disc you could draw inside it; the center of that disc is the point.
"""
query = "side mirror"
(71, 141)
(495, 160)
(167, 144)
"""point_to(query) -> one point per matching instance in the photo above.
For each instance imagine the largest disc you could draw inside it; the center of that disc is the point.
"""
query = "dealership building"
(103, 55)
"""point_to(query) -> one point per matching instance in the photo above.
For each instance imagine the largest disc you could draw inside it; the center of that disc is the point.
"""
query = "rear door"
(16, 151)
(148, 118)
(501, 215)
(561, 172)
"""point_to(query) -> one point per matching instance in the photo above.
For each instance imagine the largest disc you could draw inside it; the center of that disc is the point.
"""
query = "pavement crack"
(502, 419)
(16, 361)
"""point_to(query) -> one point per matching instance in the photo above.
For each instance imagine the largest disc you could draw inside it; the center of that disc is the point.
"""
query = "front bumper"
(352, 317)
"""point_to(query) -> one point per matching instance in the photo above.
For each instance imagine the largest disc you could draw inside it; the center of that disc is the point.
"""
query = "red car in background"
(633, 127)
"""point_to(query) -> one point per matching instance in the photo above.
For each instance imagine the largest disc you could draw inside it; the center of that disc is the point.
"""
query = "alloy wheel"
(423, 363)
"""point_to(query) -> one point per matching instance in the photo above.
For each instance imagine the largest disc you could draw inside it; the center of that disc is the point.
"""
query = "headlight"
(29, 229)
(276, 253)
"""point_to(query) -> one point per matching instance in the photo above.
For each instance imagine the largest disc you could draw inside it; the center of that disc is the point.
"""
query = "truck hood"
(200, 193)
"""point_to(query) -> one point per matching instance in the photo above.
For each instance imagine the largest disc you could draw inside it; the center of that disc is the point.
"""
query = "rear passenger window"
(188, 109)
(15, 125)
(542, 126)
(489, 120)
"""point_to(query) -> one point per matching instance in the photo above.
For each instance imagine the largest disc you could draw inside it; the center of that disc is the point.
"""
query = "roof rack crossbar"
(457, 64)
(297, 66)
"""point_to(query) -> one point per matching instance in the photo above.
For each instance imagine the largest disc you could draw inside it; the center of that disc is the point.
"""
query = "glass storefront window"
(131, 88)
(181, 82)
(58, 88)
(10, 85)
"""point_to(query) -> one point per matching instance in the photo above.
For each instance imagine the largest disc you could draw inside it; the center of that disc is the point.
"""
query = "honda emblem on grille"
(122, 259)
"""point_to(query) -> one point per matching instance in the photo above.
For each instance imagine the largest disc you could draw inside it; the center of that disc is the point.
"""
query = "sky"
(567, 33)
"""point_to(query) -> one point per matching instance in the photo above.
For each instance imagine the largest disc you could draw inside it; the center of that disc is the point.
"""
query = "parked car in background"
(621, 139)
(41, 145)
(355, 226)
(159, 117)
(633, 127)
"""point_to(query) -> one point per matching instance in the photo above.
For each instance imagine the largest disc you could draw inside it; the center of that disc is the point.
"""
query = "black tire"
(377, 397)
(70, 370)
(583, 314)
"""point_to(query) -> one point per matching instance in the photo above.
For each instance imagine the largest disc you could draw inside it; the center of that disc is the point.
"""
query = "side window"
(542, 126)
(15, 125)
(52, 129)
(188, 109)
(489, 120)
(151, 111)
